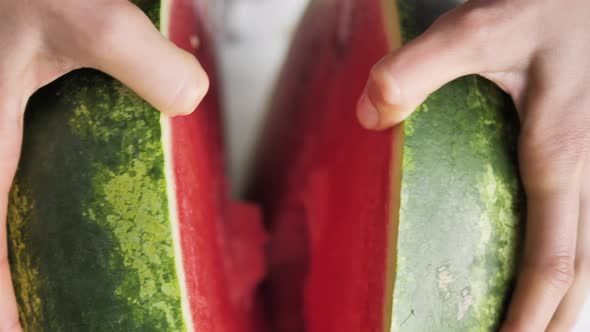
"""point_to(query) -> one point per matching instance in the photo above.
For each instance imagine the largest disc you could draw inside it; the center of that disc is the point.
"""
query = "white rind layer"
(166, 125)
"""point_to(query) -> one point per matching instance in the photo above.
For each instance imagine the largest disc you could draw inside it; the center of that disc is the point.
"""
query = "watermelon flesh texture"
(411, 229)
(120, 219)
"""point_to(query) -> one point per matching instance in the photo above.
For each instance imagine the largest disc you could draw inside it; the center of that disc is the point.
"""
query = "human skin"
(538, 51)
(41, 40)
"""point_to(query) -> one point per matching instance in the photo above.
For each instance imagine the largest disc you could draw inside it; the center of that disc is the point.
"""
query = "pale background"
(254, 39)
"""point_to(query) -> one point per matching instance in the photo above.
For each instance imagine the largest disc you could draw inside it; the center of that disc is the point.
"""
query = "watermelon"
(411, 229)
(119, 218)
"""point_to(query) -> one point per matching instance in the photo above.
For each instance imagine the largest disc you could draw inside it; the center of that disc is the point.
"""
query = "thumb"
(133, 51)
(459, 43)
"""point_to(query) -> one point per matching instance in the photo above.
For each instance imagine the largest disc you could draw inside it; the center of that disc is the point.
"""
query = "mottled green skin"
(461, 199)
(91, 244)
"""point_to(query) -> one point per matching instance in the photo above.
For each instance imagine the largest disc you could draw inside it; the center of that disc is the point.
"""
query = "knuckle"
(476, 29)
(477, 25)
(553, 159)
(558, 271)
(102, 31)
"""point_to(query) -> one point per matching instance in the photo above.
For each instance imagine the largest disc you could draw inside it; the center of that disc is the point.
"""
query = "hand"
(41, 40)
(538, 52)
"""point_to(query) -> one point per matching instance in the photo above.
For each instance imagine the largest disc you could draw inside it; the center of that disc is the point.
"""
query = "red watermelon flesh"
(218, 236)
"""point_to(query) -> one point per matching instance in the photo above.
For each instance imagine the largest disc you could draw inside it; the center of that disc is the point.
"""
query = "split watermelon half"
(411, 229)
(119, 218)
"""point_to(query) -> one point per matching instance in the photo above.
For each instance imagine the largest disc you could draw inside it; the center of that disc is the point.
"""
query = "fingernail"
(367, 113)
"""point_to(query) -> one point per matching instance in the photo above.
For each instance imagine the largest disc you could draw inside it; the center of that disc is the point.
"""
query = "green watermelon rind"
(456, 254)
(90, 182)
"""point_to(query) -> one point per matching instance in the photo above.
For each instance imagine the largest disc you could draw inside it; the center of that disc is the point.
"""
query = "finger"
(10, 139)
(548, 263)
(132, 50)
(568, 311)
(464, 41)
